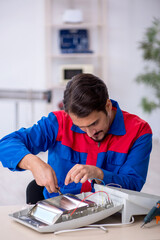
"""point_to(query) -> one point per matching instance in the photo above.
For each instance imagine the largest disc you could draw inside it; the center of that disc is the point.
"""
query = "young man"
(92, 139)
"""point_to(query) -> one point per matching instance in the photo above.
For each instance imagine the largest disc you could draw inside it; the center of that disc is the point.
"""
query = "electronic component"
(67, 211)
(70, 211)
(60, 209)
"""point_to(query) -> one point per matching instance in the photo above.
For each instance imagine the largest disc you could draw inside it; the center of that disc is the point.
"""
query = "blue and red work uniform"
(123, 155)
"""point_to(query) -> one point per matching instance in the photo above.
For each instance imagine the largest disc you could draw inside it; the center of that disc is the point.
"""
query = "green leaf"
(148, 106)
(151, 79)
(151, 54)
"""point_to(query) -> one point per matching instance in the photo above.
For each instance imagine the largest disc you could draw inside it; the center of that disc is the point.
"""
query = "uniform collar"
(117, 127)
(75, 128)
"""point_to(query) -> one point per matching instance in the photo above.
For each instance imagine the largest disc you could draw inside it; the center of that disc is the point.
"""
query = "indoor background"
(26, 62)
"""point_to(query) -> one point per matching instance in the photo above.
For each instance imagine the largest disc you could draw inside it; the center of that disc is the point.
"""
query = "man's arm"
(42, 172)
(38, 138)
(132, 174)
(18, 150)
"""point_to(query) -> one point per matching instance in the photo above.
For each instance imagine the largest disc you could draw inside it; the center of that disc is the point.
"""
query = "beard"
(96, 138)
(96, 135)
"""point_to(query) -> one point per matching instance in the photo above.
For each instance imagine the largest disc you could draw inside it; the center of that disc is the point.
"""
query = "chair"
(34, 193)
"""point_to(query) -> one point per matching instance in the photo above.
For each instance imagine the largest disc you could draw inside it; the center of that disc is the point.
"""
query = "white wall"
(22, 44)
(127, 22)
(22, 61)
(22, 66)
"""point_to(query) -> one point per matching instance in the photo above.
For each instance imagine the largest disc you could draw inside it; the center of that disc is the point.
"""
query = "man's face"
(96, 124)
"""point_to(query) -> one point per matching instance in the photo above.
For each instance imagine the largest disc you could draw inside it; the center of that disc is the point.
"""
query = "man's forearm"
(42, 172)
(28, 162)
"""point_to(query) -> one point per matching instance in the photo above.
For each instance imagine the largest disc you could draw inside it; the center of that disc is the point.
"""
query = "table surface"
(10, 229)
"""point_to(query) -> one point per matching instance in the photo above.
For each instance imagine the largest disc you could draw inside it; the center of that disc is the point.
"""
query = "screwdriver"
(154, 212)
(58, 190)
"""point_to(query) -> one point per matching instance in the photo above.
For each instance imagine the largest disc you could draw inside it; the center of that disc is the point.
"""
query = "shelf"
(74, 55)
(77, 25)
(59, 86)
(94, 21)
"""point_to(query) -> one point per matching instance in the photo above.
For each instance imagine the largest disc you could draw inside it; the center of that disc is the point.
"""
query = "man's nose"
(90, 132)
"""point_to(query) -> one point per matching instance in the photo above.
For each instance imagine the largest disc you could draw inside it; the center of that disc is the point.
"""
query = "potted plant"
(151, 55)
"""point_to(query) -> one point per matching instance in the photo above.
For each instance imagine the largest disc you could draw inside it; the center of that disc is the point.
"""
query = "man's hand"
(80, 173)
(42, 172)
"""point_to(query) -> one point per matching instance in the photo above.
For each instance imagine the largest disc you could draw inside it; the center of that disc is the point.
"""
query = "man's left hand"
(81, 173)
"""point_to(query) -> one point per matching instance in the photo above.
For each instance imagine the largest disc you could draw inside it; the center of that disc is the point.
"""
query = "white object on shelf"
(70, 70)
(72, 16)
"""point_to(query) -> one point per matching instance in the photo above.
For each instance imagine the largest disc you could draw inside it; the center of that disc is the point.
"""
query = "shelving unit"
(94, 20)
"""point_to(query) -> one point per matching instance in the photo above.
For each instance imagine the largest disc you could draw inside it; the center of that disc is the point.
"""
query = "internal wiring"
(93, 226)
(90, 179)
(87, 197)
(114, 184)
(109, 184)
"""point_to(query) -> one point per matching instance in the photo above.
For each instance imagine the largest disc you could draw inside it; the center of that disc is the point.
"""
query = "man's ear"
(108, 106)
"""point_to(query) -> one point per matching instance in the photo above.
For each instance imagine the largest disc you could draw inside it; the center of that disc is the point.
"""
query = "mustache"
(96, 134)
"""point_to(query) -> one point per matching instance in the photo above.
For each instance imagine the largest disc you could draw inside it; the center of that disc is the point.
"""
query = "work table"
(10, 229)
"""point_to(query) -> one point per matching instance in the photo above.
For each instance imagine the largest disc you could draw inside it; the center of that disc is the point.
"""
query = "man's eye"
(94, 123)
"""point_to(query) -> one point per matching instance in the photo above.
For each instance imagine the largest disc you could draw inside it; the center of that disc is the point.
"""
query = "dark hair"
(84, 94)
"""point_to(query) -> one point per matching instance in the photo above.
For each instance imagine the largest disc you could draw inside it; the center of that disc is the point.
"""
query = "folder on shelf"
(74, 41)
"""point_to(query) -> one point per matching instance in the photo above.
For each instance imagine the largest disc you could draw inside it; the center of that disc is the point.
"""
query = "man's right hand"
(42, 172)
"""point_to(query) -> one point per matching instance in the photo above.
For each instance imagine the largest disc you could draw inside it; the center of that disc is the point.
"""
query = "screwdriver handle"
(155, 211)
(152, 213)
